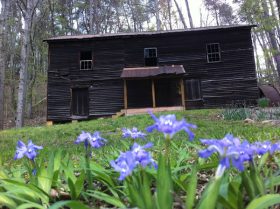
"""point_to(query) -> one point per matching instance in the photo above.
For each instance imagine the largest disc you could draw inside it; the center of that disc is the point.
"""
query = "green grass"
(210, 125)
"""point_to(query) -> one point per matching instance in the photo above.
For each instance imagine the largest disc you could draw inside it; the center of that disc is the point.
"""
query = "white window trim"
(219, 53)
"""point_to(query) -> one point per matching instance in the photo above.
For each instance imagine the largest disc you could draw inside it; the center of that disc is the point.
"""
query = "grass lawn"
(210, 125)
(180, 178)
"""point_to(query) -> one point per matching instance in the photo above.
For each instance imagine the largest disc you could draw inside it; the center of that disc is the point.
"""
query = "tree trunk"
(189, 14)
(169, 14)
(274, 16)
(158, 22)
(180, 14)
(254, 41)
(278, 7)
(268, 61)
(272, 39)
(25, 51)
(51, 9)
(2, 63)
(91, 18)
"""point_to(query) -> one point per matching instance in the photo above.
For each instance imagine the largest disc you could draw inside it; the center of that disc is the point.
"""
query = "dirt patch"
(38, 121)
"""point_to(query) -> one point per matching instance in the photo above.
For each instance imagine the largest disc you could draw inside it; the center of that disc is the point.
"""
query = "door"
(80, 102)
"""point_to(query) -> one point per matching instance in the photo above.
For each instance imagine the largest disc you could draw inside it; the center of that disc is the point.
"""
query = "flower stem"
(89, 176)
(167, 146)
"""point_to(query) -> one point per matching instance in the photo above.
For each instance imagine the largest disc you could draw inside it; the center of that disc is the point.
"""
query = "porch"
(137, 111)
(153, 88)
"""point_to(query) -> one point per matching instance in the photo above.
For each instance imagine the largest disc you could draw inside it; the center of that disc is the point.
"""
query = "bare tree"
(158, 22)
(278, 7)
(2, 63)
(272, 37)
(27, 8)
(189, 13)
(180, 14)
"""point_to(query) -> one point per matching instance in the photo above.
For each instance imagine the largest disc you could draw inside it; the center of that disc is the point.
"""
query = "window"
(150, 56)
(213, 52)
(193, 89)
(80, 101)
(86, 60)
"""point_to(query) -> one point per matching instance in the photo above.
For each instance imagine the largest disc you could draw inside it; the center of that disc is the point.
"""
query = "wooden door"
(80, 102)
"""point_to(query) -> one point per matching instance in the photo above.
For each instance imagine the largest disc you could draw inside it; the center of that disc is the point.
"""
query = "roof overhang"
(145, 33)
(147, 72)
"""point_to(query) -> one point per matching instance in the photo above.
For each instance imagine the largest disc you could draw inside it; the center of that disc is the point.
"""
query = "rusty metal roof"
(144, 72)
(146, 33)
(271, 93)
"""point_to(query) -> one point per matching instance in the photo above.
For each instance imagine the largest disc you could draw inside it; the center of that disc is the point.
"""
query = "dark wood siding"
(59, 98)
(232, 79)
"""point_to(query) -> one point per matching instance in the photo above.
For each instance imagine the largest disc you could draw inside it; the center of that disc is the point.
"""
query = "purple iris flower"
(230, 149)
(133, 133)
(260, 148)
(143, 157)
(29, 151)
(124, 164)
(168, 125)
(94, 140)
(129, 160)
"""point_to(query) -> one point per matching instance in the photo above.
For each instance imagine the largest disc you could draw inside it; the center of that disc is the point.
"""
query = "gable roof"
(146, 33)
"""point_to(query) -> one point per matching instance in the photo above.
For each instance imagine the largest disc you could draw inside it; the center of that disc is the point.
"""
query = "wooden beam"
(183, 93)
(125, 95)
(153, 93)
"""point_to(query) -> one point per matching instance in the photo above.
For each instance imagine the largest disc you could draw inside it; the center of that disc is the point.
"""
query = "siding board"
(232, 79)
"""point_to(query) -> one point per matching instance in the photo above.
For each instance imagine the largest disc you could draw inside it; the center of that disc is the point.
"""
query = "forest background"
(24, 24)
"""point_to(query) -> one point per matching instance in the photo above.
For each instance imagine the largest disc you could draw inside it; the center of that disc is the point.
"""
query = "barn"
(92, 76)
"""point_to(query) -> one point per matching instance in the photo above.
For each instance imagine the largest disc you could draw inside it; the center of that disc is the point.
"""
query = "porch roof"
(144, 72)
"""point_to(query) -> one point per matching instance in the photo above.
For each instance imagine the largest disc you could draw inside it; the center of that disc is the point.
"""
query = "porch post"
(125, 94)
(153, 93)
(183, 93)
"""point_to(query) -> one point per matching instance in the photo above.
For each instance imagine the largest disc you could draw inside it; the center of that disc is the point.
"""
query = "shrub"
(236, 113)
(263, 102)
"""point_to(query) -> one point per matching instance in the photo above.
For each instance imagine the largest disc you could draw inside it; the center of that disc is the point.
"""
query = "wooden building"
(99, 75)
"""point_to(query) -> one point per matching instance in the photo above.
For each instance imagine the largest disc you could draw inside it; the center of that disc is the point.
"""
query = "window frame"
(195, 84)
(213, 53)
(148, 57)
(86, 61)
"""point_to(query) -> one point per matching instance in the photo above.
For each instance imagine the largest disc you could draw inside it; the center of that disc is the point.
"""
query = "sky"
(195, 6)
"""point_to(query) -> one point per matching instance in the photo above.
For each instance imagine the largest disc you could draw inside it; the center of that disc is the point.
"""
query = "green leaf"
(71, 186)
(263, 160)
(257, 181)
(68, 168)
(29, 192)
(134, 194)
(79, 184)
(3, 175)
(231, 194)
(146, 190)
(107, 198)
(210, 195)
(273, 181)
(56, 167)
(6, 201)
(30, 205)
(264, 202)
(164, 184)
(44, 179)
(69, 203)
(248, 185)
(191, 190)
